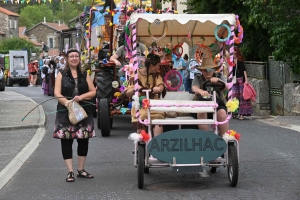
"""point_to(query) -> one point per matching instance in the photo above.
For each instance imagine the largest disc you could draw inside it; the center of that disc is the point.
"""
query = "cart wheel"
(103, 120)
(141, 165)
(233, 165)
(212, 170)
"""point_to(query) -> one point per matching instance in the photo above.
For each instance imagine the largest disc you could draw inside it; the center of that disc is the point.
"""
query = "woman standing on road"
(245, 107)
(75, 85)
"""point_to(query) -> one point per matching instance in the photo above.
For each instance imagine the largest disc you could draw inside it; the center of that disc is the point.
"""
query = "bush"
(18, 44)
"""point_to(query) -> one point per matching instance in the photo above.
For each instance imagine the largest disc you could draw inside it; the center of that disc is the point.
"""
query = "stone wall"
(5, 25)
(262, 105)
(291, 99)
(42, 33)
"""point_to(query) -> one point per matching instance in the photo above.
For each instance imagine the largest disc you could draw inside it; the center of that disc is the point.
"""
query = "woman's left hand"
(77, 98)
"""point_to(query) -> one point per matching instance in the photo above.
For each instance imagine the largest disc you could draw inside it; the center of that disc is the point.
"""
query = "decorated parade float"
(184, 149)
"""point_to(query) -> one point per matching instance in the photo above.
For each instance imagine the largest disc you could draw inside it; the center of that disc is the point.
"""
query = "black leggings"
(67, 150)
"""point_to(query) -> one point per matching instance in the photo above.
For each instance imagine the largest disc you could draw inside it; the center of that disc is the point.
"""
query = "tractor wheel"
(104, 87)
(104, 117)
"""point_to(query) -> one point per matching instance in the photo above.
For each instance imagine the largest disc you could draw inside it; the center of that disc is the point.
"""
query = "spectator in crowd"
(245, 107)
(180, 66)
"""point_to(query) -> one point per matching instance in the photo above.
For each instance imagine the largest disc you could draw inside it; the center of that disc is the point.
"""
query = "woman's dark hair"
(239, 55)
(71, 51)
(152, 59)
(52, 62)
(185, 57)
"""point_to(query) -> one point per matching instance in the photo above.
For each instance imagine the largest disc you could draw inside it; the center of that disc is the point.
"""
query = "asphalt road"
(269, 167)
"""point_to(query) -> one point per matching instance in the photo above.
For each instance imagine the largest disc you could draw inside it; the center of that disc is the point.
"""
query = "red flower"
(145, 103)
(237, 136)
(145, 136)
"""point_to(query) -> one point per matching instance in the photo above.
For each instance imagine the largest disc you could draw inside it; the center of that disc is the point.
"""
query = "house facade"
(47, 34)
(22, 31)
(9, 23)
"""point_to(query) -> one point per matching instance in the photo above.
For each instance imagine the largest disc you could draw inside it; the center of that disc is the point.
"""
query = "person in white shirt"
(60, 65)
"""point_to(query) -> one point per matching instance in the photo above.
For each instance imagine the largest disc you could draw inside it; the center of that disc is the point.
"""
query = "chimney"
(44, 20)
(58, 22)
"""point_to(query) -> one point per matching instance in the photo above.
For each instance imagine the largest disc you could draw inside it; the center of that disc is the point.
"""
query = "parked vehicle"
(2, 79)
(17, 71)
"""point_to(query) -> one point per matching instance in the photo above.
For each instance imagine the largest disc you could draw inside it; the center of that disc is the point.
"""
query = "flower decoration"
(129, 105)
(231, 135)
(167, 50)
(145, 103)
(135, 137)
(114, 100)
(122, 88)
(148, 9)
(89, 72)
(232, 105)
(229, 62)
(240, 36)
(122, 79)
(117, 94)
(123, 110)
(145, 136)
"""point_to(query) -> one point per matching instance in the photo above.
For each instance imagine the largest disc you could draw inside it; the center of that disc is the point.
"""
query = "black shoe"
(84, 174)
(70, 177)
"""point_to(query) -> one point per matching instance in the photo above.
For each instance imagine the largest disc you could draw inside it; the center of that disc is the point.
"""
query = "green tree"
(67, 11)
(281, 19)
(32, 15)
(255, 45)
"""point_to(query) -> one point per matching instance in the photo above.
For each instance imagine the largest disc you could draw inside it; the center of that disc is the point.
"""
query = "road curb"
(9, 171)
(275, 122)
(41, 122)
(16, 163)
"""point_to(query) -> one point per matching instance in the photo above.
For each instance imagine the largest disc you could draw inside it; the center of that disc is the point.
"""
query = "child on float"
(208, 70)
(148, 78)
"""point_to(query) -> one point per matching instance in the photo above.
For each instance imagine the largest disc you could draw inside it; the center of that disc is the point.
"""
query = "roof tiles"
(9, 13)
